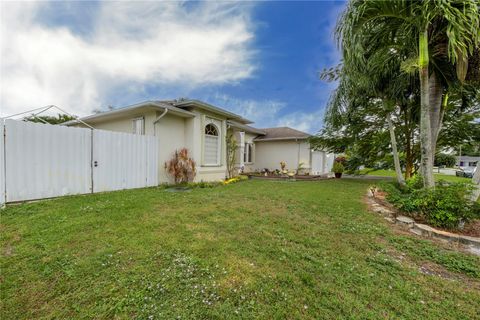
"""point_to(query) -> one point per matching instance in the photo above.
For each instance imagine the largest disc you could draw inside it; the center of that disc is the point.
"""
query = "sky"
(258, 59)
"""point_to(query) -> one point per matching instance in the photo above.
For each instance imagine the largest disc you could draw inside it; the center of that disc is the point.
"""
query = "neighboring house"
(202, 129)
(467, 162)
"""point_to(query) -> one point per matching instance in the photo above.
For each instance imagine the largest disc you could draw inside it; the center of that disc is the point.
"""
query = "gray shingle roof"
(282, 133)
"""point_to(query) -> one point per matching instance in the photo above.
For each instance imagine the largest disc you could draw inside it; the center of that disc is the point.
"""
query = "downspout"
(158, 119)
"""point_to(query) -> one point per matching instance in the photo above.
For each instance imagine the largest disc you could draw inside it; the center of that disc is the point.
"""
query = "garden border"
(419, 229)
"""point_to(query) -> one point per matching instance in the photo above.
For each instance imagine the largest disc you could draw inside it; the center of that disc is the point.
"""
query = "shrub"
(445, 206)
(338, 167)
(181, 167)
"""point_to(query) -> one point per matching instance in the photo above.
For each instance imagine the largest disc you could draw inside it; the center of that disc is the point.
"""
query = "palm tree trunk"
(426, 163)
(476, 182)
(408, 144)
(396, 159)
(436, 108)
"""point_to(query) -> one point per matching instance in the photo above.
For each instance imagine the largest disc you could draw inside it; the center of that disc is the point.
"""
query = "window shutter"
(211, 149)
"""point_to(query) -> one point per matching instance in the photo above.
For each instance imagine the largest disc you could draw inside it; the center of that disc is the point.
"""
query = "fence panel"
(152, 161)
(123, 161)
(44, 161)
(2, 165)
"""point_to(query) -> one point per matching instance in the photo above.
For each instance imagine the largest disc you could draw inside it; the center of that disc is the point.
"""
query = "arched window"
(211, 154)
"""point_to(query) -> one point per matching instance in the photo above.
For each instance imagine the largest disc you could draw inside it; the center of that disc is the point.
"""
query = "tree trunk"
(408, 144)
(426, 163)
(436, 108)
(476, 182)
(396, 159)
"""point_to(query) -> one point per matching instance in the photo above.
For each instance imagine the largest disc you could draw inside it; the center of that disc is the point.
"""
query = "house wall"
(125, 124)
(268, 154)
(170, 133)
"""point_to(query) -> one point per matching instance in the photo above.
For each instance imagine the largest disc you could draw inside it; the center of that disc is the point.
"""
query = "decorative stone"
(445, 235)
(389, 219)
(422, 229)
(405, 222)
(470, 240)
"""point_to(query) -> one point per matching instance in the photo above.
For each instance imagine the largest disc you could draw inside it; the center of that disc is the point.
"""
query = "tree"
(443, 36)
(60, 118)
(232, 148)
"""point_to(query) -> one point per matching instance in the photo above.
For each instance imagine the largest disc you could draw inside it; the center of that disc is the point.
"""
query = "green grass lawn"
(256, 249)
(391, 173)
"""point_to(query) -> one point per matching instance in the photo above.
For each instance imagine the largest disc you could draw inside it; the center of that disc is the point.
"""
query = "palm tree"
(441, 34)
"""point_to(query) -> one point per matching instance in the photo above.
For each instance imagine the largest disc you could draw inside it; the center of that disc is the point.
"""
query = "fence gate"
(123, 161)
(44, 161)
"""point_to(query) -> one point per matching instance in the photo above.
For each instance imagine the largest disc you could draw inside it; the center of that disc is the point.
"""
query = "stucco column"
(242, 148)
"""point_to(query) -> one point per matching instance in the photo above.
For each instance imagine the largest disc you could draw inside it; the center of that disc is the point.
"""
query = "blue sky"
(259, 59)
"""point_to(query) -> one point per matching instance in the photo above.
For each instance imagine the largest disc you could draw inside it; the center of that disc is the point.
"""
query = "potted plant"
(338, 169)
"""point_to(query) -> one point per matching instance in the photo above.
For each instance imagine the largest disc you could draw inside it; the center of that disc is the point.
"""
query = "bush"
(338, 167)
(447, 160)
(445, 206)
(181, 167)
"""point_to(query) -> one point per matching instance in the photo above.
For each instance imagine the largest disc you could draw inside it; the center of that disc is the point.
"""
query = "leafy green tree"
(442, 36)
(60, 118)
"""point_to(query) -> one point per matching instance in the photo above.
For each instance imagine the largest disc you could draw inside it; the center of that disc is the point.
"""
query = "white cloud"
(270, 113)
(131, 45)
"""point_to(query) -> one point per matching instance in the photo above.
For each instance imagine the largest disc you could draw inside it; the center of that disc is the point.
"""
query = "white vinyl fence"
(44, 161)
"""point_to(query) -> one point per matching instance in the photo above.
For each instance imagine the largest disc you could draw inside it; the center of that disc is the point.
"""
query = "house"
(202, 129)
(467, 162)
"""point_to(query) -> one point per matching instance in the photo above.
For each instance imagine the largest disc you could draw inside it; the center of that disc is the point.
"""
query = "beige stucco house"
(202, 129)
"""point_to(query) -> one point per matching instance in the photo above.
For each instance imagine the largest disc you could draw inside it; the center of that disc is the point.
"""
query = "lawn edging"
(420, 229)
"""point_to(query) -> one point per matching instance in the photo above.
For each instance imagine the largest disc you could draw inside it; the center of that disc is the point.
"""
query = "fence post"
(91, 160)
(3, 164)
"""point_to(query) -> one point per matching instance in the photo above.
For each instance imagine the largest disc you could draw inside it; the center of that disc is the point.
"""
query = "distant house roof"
(246, 128)
(282, 133)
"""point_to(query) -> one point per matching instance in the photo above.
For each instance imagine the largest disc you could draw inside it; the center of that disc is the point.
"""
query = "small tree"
(232, 147)
(181, 167)
(447, 160)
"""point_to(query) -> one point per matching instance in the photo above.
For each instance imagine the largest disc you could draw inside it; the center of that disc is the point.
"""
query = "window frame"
(134, 125)
(219, 145)
(248, 153)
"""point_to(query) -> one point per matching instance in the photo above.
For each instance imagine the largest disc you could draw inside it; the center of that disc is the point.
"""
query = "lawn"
(391, 173)
(255, 249)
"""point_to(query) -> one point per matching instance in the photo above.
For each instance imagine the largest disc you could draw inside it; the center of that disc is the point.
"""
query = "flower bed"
(287, 177)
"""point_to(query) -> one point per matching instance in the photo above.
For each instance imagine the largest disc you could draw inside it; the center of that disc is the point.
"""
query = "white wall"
(269, 154)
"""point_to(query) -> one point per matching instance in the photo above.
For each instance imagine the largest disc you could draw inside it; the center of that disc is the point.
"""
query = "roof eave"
(119, 111)
(209, 107)
(279, 139)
